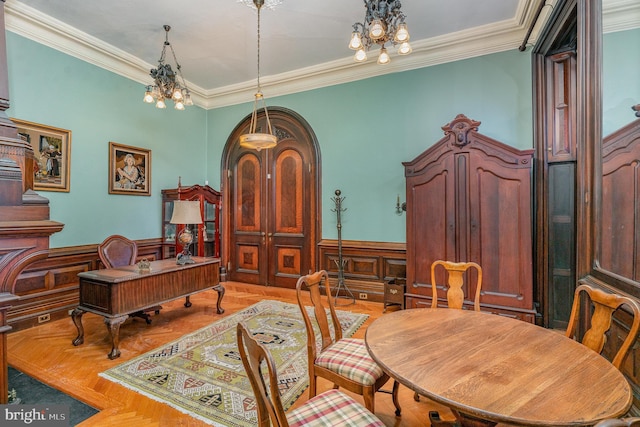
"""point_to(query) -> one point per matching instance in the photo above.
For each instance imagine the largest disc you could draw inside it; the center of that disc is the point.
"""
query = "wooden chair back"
(117, 251)
(455, 293)
(255, 357)
(315, 283)
(600, 314)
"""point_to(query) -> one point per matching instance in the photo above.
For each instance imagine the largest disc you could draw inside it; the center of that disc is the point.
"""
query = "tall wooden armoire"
(469, 199)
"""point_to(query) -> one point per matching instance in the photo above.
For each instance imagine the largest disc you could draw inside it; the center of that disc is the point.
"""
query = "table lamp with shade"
(185, 212)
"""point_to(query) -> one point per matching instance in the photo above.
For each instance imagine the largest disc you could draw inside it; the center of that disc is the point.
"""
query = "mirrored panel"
(619, 227)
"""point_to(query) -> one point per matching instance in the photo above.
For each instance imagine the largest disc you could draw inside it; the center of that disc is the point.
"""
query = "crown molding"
(43, 29)
(620, 15)
(34, 25)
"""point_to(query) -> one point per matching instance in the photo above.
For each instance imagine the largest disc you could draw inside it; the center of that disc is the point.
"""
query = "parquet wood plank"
(46, 353)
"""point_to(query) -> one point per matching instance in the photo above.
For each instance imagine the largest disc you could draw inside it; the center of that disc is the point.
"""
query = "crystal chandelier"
(258, 140)
(167, 82)
(383, 22)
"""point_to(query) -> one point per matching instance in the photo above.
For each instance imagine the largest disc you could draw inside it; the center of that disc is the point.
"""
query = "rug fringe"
(158, 399)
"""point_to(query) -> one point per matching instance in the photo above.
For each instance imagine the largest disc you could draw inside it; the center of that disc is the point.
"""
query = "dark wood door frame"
(272, 251)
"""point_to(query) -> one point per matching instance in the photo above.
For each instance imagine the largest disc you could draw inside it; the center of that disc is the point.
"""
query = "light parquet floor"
(46, 353)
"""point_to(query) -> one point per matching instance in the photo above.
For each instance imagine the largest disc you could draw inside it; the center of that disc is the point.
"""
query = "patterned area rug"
(201, 374)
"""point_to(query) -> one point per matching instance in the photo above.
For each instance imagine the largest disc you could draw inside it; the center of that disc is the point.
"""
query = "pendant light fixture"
(383, 22)
(254, 139)
(168, 84)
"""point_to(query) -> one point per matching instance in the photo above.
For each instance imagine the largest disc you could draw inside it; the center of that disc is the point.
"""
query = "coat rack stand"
(343, 296)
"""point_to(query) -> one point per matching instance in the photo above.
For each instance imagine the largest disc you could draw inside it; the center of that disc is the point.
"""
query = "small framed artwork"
(52, 150)
(129, 170)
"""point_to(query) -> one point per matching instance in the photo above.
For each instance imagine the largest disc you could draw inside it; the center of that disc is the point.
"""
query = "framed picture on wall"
(129, 170)
(52, 151)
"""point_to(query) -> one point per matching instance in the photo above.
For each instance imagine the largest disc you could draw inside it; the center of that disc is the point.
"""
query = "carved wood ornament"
(460, 128)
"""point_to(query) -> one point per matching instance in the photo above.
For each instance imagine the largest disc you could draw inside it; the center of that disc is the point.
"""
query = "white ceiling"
(303, 42)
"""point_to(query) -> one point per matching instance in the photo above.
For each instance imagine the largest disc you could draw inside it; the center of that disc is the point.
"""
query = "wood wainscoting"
(48, 289)
(367, 265)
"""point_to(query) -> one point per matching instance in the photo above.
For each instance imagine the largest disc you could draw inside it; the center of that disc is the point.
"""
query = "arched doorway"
(271, 204)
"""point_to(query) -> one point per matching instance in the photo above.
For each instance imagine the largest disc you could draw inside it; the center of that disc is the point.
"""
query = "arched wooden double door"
(271, 215)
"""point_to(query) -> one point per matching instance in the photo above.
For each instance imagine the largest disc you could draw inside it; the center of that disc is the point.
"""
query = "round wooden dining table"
(492, 369)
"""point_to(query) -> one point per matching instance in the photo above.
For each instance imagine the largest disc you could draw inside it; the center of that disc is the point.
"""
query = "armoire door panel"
(430, 211)
(619, 218)
(500, 234)
(619, 249)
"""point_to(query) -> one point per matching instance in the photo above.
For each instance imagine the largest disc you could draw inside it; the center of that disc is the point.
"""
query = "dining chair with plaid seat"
(331, 408)
(343, 361)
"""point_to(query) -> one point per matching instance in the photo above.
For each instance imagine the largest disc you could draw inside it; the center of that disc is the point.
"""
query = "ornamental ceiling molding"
(506, 35)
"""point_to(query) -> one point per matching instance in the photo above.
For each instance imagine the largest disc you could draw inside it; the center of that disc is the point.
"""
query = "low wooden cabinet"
(394, 293)
(206, 242)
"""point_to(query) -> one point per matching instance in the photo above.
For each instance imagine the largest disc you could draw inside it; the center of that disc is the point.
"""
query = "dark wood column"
(25, 227)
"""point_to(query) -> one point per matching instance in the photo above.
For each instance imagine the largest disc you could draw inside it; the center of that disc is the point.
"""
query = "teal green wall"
(620, 82)
(366, 129)
(52, 88)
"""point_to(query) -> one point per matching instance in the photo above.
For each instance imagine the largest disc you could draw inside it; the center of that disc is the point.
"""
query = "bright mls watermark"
(34, 415)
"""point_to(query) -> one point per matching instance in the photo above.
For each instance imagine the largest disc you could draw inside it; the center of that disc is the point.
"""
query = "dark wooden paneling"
(50, 287)
(368, 265)
(561, 249)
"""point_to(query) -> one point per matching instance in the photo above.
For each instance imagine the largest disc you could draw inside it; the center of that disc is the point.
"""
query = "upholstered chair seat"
(332, 408)
(349, 358)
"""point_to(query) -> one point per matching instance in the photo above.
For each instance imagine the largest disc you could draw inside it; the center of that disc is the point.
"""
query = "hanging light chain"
(259, 6)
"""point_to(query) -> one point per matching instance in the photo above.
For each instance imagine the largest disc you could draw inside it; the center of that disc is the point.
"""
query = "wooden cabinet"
(206, 241)
(469, 199)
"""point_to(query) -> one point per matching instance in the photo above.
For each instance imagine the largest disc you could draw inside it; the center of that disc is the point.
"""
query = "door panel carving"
(249, 194)
(289, 192)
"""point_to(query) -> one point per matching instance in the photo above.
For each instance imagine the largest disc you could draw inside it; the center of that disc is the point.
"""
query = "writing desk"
(491, 369)
(115, 293)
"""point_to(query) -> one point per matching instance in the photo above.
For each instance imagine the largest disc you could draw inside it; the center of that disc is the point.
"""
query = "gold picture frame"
(52, 151)
(129, 170)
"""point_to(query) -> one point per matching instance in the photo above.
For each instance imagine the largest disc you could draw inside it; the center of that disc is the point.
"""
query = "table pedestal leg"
(469, 421)
(113, 326)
